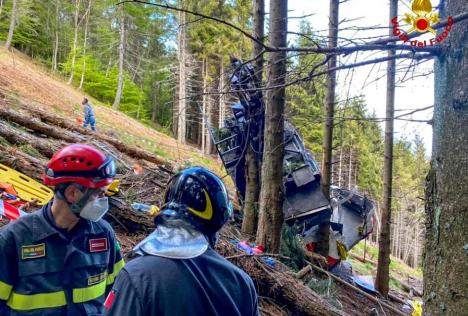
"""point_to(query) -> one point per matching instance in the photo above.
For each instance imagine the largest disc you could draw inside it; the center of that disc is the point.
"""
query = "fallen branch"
(408, 288)
(285, 289)
(367, 295)
(259, 255)
(35, 125)
(15, 159)
(134, 152)
(361, 259)
(17, 137)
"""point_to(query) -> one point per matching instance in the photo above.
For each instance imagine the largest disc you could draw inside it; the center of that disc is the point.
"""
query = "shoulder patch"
(98, 245)
(95, 279)
(33, 251)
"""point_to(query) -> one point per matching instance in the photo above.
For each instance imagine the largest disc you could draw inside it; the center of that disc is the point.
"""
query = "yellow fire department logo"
(421, 20)
(423, 17)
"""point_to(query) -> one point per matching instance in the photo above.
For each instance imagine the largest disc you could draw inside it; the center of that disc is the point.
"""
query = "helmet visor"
(107, 169)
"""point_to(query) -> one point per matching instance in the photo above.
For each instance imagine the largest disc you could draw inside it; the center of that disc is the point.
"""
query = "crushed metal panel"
(354, 213)
(303, 175)
(298, 201)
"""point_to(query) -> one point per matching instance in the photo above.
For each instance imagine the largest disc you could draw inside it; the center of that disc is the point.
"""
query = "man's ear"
(72, 194)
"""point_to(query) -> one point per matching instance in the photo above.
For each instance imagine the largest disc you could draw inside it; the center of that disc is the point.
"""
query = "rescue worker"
(176, 271)
(88, 115)
(63, 258)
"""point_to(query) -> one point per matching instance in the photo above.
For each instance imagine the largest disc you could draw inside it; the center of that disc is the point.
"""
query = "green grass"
(396, 284)
(371, 251)
(162, 153)
(362, 268)
(398, 270)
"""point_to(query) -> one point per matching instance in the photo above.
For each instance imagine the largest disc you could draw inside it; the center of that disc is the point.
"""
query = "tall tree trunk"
(382, 277)
(340, 166)
(88, 13)
(12, 25)
(155, 104)
(204, 100)
(416, 249)
(446, 248)
(407, 244)
(109, 64)
(330, 101)
(1, 7)
(56, 43)
(118, 94)
(398, 241)
(209, 120)
(325, 180)
(252, 186)
(75, 41)
(271, 199)
(377, 219)
(222, 106)
(350, 167)
(181, 109)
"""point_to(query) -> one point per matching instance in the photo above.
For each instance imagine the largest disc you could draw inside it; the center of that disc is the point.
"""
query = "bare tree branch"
(379, 44)
(169, 7)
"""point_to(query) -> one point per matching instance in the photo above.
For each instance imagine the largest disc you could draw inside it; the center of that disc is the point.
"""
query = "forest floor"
(22, 79)
(32, 100)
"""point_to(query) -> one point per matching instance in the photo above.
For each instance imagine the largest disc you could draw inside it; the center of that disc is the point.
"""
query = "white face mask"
(94, 210)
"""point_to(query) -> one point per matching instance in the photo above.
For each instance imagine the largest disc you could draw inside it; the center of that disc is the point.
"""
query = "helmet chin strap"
(78, 206)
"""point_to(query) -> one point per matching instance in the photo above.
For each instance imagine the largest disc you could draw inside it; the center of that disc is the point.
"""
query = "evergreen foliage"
(46, 28)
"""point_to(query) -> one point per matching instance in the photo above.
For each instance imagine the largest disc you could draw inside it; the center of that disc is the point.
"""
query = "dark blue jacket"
(45, 270)
(203, 286)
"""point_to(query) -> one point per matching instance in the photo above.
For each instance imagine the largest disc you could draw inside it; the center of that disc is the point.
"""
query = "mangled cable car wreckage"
(349, 213)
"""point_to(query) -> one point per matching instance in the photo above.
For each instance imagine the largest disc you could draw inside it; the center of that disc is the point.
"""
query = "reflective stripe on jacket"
(48, 271)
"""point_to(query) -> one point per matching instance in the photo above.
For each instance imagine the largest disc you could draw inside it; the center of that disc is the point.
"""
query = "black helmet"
(200, 197)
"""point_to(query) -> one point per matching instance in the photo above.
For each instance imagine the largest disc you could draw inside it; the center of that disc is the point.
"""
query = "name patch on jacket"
(95, 279)
(32, 251)
(98, 245)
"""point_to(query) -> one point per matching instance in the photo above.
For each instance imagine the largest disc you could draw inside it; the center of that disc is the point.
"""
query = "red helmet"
(81, 164)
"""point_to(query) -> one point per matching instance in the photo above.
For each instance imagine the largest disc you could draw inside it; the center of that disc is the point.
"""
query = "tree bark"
(271, 199)
(30, 166)
(56, 43)
(118, 94)
(330, 101)
(155, 104)
(209, 116)
(250, 207)
(446, 248)
(382, 277)
(181, 109)
(1, 7)
(12, 25)
(222, 106)
(325, 180)
(285, 289)
(416, 250)
(50, 128)
(75, 41)
(350, 167)
(204, 122)
(88, 13)
(340, 166)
